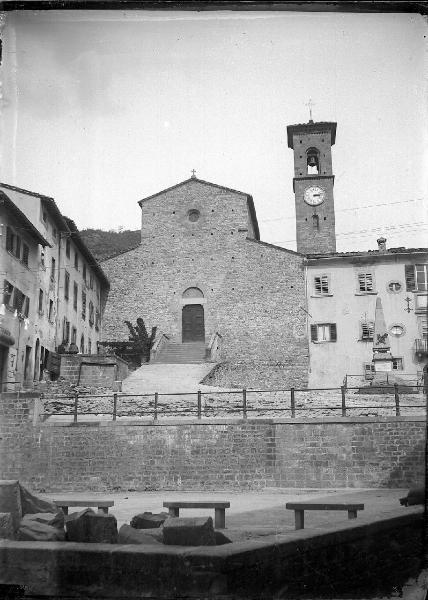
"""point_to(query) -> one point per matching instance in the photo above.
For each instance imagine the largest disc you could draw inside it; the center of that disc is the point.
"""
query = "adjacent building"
(68, 288)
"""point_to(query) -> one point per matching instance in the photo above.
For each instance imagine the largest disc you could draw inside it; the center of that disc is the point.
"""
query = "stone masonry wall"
(212, 454)
(107, 370)
(253, 292)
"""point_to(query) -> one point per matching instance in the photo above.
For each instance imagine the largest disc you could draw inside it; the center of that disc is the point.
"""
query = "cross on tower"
(310, 104)
(193, 173)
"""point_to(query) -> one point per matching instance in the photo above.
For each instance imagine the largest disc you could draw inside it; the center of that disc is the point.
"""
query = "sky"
(102, 108)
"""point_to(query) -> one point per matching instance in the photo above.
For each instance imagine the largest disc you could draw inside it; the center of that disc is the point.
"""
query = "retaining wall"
(208, 454)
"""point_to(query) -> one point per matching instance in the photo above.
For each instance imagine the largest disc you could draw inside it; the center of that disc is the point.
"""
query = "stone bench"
(219, 509)
(300, 507)
(102, 505)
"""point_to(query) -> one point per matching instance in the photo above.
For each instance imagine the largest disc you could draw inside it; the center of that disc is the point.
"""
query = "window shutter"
(410, 277)
(333, 332)
(314, 333)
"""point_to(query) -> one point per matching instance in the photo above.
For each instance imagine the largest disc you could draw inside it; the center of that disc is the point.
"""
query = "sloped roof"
(311, 127)
(368, 253)
(20, 216)
(250, 200)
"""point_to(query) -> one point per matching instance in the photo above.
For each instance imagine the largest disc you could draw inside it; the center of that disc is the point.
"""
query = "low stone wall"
(366, 559)
(93, 369)
(210, 453)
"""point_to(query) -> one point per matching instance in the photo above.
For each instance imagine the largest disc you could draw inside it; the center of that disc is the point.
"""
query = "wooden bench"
(300, 507)
(219, 509)
(102, 505)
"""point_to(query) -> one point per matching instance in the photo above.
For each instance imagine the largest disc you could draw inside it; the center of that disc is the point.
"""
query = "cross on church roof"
(193, 174)
(310, 104)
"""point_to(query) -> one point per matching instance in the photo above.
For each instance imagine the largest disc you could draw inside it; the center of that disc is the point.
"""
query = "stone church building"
(203, 277)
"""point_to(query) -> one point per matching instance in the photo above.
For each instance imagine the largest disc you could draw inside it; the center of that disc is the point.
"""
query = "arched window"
(193, 292)
(312, 161)
(315, 222)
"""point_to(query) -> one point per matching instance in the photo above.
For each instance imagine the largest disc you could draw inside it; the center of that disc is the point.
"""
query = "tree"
(139, 336)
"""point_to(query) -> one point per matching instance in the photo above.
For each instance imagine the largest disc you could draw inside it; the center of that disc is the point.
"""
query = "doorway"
(193, 325)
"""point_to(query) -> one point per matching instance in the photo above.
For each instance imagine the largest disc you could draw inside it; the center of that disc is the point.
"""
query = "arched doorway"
(193, 321)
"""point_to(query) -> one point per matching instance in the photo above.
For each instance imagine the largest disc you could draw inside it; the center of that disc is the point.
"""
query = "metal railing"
(287, 404)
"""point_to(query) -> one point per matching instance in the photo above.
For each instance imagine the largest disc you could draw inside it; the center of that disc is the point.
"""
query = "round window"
(396, 330)
(394, 286)
(193, 215)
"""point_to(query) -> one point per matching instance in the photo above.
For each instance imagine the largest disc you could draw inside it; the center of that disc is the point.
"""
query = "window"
(423, 328)
(315, 222)
(369, 370)
(416, 277)
(321, 285)
(84, 273)
(26, 307)
(42, 258)
(65, 331)
(421, 301)
(66, 284)
(50, 315)
(13, 243)
(76, 261)
(91, 281)
(97, 320)
(9, 239)
(75, 292)
(7, 293)
(193, 215)
(396, 330)
(25, 254)
(18, 300)
(82, 344)
(89, 347)
(367, 330)
(67, 247)
(365, 282)
(397, 364)
(91, 313)
(83, 305)
(324, 332)
(53, 266)
(73, 335)
(40, 302)
(394, 286)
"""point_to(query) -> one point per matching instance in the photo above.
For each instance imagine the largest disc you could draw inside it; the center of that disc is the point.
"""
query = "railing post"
(293, 404)
(76, 404)
(342, 389)
(244, 403)
(155, 416)
(199, 404)
(114, 406)
(397, 400)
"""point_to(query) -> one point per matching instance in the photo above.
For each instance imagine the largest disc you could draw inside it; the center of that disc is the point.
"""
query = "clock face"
(314, 195)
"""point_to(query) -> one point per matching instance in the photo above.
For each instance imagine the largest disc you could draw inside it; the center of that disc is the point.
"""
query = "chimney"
(381, 243)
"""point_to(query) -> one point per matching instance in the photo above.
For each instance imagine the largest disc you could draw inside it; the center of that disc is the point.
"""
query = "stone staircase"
(187, 353)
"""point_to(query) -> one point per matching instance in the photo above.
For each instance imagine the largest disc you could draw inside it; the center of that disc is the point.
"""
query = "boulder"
(10, 501)
(193, 531)
(415, 496)
(148, 520)
(32, 504)
(7, 531)
(52, 519)
(33, 531)
(130, 535)
(88, 526)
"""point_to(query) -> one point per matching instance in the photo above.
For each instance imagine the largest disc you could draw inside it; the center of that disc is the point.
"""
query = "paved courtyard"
(256, 514)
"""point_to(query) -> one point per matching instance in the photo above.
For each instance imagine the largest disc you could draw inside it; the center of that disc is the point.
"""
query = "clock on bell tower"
(313, 185)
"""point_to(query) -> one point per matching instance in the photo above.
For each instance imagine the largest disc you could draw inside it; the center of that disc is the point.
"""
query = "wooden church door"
(193, 323)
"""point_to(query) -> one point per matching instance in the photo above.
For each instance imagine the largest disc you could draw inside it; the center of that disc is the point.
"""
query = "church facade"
(202, 270)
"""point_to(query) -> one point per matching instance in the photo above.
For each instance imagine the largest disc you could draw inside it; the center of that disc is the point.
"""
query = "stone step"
(178, 353)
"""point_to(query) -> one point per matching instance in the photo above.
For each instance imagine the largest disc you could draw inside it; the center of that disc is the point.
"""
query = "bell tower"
(313, 184)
